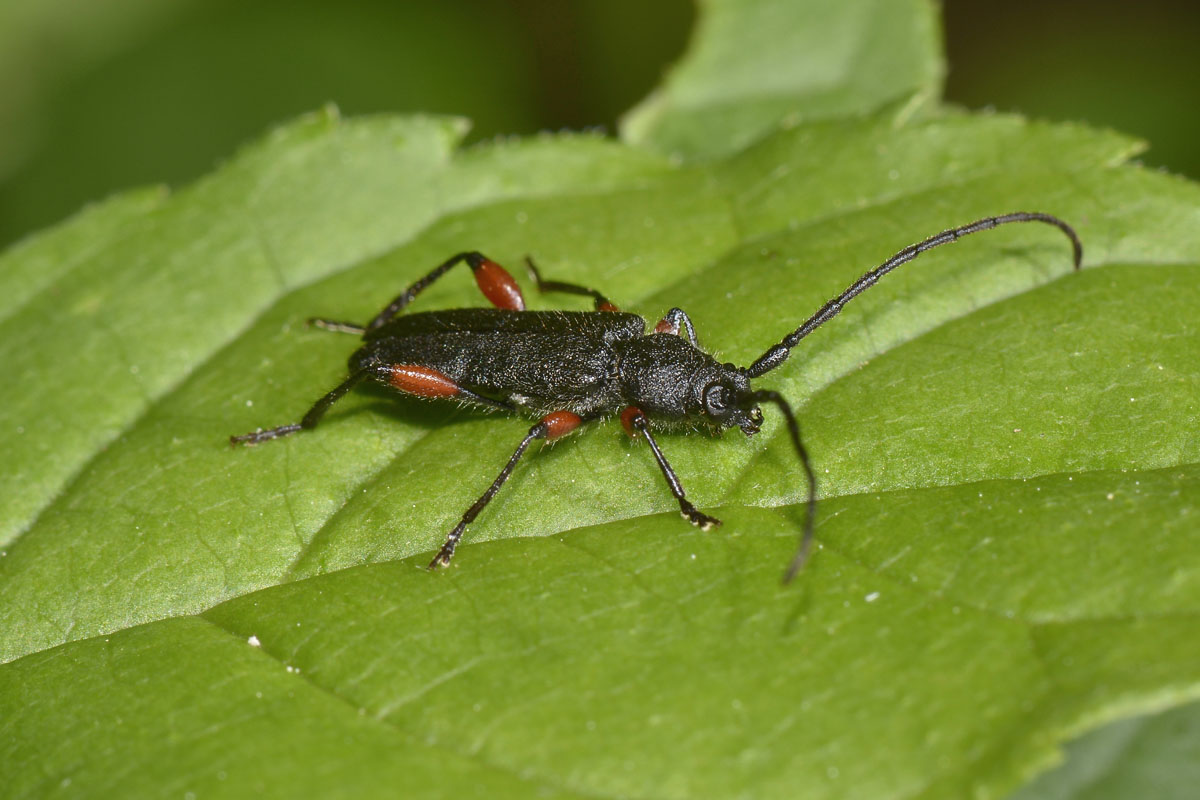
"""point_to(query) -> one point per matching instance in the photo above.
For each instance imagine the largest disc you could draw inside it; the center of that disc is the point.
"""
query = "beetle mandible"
(572, 367)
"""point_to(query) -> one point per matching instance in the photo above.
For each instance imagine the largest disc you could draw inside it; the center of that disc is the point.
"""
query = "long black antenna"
(779, 353)
(801, 556)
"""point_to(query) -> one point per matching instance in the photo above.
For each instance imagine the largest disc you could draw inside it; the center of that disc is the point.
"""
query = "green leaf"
(1157, 754)
(755, 63)
(1004, 448)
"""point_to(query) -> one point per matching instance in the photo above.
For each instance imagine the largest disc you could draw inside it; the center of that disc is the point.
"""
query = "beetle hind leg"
(419, 380)
(310, 419)
(492, 279)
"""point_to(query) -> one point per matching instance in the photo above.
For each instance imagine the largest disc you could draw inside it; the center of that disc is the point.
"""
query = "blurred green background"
(97, 97)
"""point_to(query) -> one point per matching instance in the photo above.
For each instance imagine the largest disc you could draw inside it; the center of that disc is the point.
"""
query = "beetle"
(571, 367)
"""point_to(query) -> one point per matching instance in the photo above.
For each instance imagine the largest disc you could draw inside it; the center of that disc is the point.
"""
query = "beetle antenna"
(801, 556)
(779, 353)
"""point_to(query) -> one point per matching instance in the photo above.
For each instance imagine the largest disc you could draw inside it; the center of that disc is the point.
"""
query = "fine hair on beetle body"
(565, 368)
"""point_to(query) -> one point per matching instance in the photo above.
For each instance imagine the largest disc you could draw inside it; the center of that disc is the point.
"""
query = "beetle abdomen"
(607, 326)
(512, 356)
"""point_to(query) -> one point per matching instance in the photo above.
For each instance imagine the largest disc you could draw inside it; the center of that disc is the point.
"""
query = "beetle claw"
(702, 521)
(442, 559)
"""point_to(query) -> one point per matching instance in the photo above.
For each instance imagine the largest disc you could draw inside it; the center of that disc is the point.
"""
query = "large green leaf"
(1004, 447)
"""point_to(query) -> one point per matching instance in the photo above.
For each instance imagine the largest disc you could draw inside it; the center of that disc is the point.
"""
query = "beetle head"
(728, 402)
(673, 381)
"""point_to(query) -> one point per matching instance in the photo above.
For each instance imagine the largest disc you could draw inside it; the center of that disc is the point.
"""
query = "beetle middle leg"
(551, 426)
(635, 420)
(602, 303)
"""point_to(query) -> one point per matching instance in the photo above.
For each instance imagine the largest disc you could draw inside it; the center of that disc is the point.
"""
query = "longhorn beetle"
(572, 367)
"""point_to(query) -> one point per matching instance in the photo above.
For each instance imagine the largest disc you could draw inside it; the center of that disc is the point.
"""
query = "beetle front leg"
(677, 322)
(549, 427)
(635, 420)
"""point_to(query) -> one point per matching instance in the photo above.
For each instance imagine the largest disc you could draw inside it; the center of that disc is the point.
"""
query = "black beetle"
(571, 367)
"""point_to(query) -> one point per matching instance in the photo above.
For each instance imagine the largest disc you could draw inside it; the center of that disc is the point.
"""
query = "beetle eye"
(716, 400)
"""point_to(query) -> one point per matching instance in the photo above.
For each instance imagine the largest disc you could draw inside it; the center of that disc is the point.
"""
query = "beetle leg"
(493, 280)
(676, 320)
(422, 381)
(412, 379)
(602, 302)
(336, 326)
(551, 426)
(635, 421)
(313, 416)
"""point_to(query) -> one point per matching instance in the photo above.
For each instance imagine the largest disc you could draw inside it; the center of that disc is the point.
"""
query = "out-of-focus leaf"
(753, 64)
(1155, 755)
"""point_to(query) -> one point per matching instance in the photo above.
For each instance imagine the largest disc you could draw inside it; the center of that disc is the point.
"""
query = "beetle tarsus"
(254, 437)
(337, 326)
(442, 559)
(701, 520)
